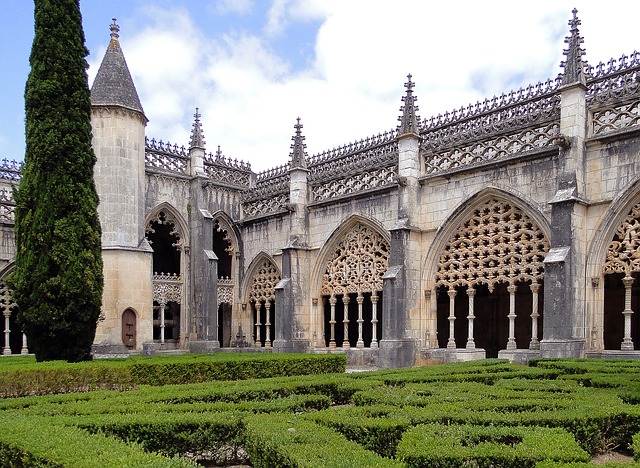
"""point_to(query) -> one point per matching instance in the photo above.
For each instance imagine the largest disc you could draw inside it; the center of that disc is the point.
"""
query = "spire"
(113, 85)
(197, 137)
(298, 155)
(409, 118)
(573, 65)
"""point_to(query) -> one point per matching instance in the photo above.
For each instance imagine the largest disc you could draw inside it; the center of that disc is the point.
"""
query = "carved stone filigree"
(623, 253)
(357, 264)
(225, 291)
(273, 204)
(502, 147)
(499, 243)
(615, 81)
(222, 227)
(7, 304)
(616, 118)
(10, 170)
(165, 217)
(385, 176)
(263, 285)
(221, 169)
(167, 288)
(165, 156)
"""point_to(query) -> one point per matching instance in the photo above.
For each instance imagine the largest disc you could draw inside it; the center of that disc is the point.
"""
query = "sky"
(252, 67)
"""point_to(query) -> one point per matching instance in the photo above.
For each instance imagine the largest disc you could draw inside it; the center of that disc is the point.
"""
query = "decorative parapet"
(7, 206)
(10, 170)
(225, 291)
(365, 165)
(167, 288)
(165, 156)
(613, 95)
(227, 171)
(516, 123)
(269, 195)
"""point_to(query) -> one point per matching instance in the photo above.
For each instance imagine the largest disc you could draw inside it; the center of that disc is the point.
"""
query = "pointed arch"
(487, 270)
(613, 265)
(226, 224)
(262, 278)
(165, 213)
(349, 274)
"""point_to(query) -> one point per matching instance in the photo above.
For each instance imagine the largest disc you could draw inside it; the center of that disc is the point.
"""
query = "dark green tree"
(57, 281)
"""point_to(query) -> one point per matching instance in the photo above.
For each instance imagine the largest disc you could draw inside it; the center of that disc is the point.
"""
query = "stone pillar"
(204, 275)
(564, 333)
(397, 349)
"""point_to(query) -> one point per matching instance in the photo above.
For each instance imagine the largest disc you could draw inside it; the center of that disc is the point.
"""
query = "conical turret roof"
(113, 85)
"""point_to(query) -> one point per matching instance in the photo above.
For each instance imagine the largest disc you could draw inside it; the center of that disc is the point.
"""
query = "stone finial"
(197, 137)
(409, 118)
(573, 64)
(298, 153)
(115, 29)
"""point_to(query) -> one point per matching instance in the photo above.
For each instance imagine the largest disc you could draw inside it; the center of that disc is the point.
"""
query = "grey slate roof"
(113, 85)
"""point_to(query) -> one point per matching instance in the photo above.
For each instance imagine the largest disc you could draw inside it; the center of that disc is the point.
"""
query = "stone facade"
(504, 229)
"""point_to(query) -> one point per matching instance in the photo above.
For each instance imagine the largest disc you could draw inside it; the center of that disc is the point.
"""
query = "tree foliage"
(57, 281)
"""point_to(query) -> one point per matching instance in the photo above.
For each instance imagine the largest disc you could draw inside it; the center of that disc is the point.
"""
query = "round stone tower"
(119, 123)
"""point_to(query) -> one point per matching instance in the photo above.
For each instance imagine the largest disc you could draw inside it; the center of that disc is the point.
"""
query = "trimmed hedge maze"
(552, 413)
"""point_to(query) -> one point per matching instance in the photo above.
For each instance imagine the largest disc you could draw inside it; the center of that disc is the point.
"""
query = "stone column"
(534, 344)
(511, 342)
(7, 333)
(451, 342)
(471, 344)
(627, 342)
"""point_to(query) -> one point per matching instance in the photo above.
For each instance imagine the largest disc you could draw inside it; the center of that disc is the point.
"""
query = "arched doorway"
(223, 249)
(129, 329)
(352, 289)
(490, 279)
(166, 242)
(621, 288)
(262, 296)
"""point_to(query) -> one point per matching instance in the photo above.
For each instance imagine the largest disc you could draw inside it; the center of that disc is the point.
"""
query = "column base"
(203, 347)
(397, 353)
(558, 348)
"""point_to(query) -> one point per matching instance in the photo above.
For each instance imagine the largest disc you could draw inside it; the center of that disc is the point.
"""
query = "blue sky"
(254, 66)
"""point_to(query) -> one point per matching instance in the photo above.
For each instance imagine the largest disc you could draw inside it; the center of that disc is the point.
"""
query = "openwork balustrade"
(225, 291)
(7, 206)
(166, 288)
(514, 124)
(355, 268)
(10, 170)
(270, 194)
(165, 156)
(499, 243)
(226, 170)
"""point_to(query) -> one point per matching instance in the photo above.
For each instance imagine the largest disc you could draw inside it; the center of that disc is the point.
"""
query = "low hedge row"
(348, 419)
(123, 374)
(286, 441)
(35, 442)
(438, 446)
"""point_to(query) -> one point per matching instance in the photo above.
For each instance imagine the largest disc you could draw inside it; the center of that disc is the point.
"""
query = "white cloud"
(351, 88)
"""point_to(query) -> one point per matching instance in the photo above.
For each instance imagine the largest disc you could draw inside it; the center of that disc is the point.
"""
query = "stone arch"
(167, 232)
(350, 269)
(13, 340)
(613, 271)
(262, 278)
(491, 250)
(226, 240)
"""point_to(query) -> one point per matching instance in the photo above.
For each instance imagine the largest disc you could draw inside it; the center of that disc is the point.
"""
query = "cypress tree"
(57, 281)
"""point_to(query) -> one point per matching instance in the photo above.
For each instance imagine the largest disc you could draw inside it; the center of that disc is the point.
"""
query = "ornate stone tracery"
(165, 218)
(358, 263)
(623, 253)
(263, 285)
(499, 243)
